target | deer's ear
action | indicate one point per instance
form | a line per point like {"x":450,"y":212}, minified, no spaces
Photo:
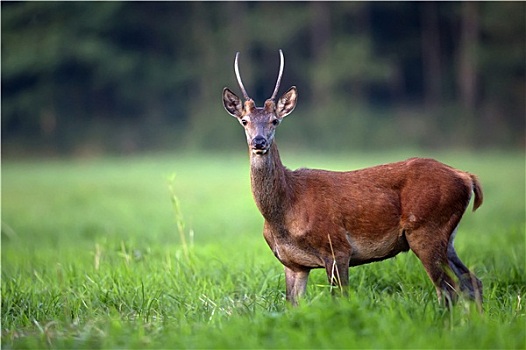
{"x":287,"y":102}
{"x":232,"y":103}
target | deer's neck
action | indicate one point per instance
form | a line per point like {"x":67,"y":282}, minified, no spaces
{"x":269,"y":183}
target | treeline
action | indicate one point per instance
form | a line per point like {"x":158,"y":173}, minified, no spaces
{"x":85,"y":77}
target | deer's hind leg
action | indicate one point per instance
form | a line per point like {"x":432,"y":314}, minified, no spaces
{"x":469,"y":283}
{"x":431,"y":248}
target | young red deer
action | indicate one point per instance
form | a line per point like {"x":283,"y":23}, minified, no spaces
{"x":335,"y":220}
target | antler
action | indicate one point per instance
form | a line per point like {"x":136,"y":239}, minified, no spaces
{"x":281,"y":66}
{"x":238,"y":76}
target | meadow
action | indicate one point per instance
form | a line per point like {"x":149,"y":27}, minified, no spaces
{"x":166,"y":251}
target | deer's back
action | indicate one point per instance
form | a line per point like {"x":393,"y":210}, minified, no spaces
{"x":412,"y":191}
{"x":372,"y":207}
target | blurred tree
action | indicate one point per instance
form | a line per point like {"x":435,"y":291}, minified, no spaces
{"x":320,"y":47}
{"x":127,"y":76}
{"x":41,"y":62}
{"x":467,"y":52}
{"x":431,"y":55}
{"x":502,"y":72}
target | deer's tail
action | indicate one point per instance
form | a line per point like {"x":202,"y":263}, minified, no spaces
{"x":477,"y":189}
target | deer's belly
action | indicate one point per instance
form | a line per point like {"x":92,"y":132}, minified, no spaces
{"x":369,"y":248}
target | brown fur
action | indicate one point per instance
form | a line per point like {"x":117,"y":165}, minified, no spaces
{"x":335,"y":220}
{"x":363,"y":216}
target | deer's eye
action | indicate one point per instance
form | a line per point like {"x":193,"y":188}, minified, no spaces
{"x":275,"y":122}
{"x":244,"y":122}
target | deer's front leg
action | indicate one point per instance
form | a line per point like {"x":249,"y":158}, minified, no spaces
{"x":338,"y":275}
{"x":296,"y":284}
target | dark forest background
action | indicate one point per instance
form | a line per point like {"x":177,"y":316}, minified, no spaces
{"x":90,"y":78}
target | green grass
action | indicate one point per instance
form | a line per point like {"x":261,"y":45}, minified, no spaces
{"x":92,"y":258}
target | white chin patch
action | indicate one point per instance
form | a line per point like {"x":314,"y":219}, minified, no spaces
{"x":259,"y":152}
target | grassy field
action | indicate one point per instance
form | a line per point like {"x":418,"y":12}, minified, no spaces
{"x":93,"y":257}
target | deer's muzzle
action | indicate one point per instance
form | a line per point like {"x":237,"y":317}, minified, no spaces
{"x":259,"y":145}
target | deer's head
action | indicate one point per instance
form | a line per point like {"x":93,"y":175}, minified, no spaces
{"x":259,"y":122}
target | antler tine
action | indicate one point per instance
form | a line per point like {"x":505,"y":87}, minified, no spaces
{"x":281,"y":66}
{"x":238,"y":76}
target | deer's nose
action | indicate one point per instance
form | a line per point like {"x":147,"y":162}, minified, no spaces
{"x":259,"y":142}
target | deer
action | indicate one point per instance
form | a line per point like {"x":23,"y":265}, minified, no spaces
{"x":336,"y":220}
